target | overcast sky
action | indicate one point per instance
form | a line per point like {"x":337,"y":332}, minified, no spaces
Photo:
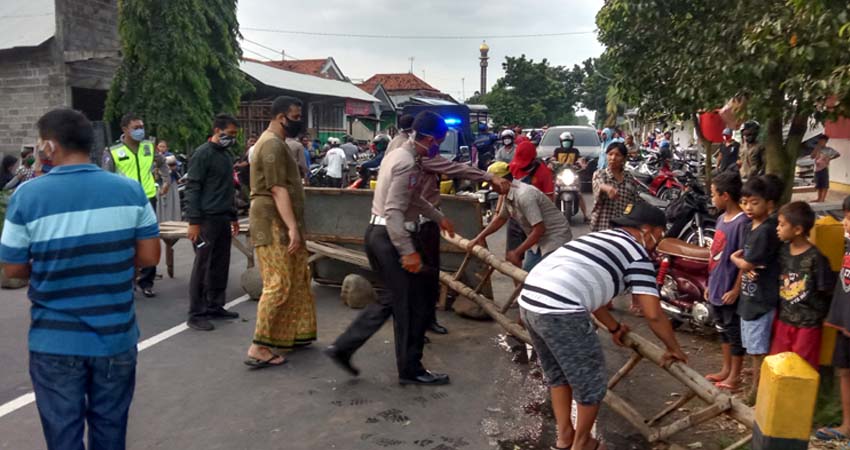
{"x":442,"y":63}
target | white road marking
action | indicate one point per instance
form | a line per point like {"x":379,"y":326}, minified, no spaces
{"x":24,"y":400}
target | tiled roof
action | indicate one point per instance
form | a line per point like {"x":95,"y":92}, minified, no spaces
{"x":305,"y":66}
{"x":396,"y":82}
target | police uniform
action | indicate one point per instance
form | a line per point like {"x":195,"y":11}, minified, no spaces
{"x":398,"y":141}
{"x":429,"y":231}
{"x":136,"y":165}
{"x":396,"y":208}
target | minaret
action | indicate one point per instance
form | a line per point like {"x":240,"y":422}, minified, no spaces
{"x":484,"y":49}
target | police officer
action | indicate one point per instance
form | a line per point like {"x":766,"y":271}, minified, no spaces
{"x":429,"y":231}
{"x":133,"y":157}
{"x":392,"y":251}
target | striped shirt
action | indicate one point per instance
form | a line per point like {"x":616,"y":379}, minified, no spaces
{"x":586,"y":273}
{"x":77,"y":226}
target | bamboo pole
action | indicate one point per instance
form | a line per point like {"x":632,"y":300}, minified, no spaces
{"x":676,"y":405}
{"x":630,"y":364}
{"x":511,"y":300}
{"x":707,"y":413}
{"x":744,"y":441}
{"x":628,"y":412}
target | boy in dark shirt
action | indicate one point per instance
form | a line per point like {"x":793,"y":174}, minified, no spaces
{"x":805,"y":282}
{"x":839,"y":318}
{"x":759,"y":263}
{"x":724,"y":278}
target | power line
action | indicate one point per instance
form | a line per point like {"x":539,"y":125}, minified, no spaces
{"x":423,"y":37}
{"x":280,"y":52}
{"x":255,"y":53}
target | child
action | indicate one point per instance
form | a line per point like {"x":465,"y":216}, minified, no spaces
{"x":759,"y":264}
{"x":804,"y":284}
{"x":839,"y":317}
{"x":724,"y":279}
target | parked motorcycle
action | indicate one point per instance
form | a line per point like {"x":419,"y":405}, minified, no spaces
{"x":682,"y":281}
{"x":663,"y":183}
{"x":688,"y":217}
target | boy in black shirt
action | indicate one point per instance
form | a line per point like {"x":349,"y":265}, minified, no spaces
{"x":805,"y":282}
{"x":759,"y":263}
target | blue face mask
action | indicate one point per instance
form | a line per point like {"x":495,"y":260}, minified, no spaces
{"x":138,"y":134}
{"x":433,"y":150}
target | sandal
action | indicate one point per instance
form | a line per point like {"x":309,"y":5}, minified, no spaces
{"x":727,"y":387}
{"x":256,"y":363}
{"x":715,"y":378}
{"x":829,"y":434}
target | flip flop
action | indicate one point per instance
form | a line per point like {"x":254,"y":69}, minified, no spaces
{"x":727,"y":387}
{"x":256,"y":363}
{"x":829,"y":434}
{"x":714,"y":378}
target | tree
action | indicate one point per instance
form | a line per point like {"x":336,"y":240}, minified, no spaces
{"x":534,"y":94}
{"x":597,"y":93}
{"x":784,"y":58}
{"x":180,"y":66}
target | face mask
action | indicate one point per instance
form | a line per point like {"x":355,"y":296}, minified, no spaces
{"x":44,"y":154}
{"x":138,"y":134}
{"x":433,"y":150}
{"x":507,"y":141}
{"x":643,"y":238}
{"x":30,"y":161}
{"x":225,"y":140}
{"x":292,"y":127}
{"x":567,"y":144}
{"x":750,"y":139}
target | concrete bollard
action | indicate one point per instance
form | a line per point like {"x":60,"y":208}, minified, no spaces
{"x":786,"y":403}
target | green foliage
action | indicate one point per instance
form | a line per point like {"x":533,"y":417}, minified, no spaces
{"x":595,"y":88}
{"x":534,"y":94}
{"x":681,"y":56}
{"x":180,"y":66}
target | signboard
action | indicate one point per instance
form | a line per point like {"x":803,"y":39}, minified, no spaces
{"x":357,"y":108}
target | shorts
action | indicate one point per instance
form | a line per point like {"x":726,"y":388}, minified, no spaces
{"x":802,"y":341}
{"x":728,"y":324}
{"x":841,"y":355}
{"x":755,"y":334}
{"x":822,"y":179}
{"x":570,"y":353}
{"x":516,"y":236}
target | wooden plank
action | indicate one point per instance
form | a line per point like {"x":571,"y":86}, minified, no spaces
{"x":630,"y":364}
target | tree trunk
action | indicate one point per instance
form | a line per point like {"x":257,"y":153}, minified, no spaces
{"x":781,"y":155}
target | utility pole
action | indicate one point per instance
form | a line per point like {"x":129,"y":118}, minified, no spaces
{"x":463,"y":89}
{"x":411,"y":64}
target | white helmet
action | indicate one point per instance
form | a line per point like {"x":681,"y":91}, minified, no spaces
{"x":333,"y":141}
{"x":507,"y":133}
{"x":566,"y":136}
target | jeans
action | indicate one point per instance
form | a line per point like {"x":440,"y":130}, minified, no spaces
{"x":72,"y":391}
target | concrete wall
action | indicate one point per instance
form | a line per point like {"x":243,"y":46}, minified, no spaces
{"x":87,"y":31}
{"x":31,"y":83}
{"x":839,"y":169}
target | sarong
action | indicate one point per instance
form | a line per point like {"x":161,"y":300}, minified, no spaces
{"x":286,"y":313}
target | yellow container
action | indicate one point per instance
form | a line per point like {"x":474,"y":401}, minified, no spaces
{"x":828,"y":237}
{"x":786,"y":403}
{"x":447,"y":187}
{"x":372,"y":184}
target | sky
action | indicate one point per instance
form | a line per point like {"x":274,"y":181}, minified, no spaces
{"x":441,"y":63}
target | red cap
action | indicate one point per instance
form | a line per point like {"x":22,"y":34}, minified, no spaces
{"x":525,"y":153}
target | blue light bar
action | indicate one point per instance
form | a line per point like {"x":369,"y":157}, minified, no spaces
{"x":452,"y":121}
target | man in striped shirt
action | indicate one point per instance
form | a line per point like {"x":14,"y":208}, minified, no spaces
{"x":80,"y":252}
{"x":575,"y":281}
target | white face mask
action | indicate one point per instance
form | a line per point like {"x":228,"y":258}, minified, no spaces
{"x":643,"y":238}
{"x":507,"y":141}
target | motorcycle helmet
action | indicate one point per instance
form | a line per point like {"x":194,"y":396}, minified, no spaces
{"x":566,"y":136}
{"x":381,"y":142}
{"x":332,"y":141}
{"x":507,"y":137}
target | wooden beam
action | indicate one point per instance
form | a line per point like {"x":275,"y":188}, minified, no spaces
{"x":691,"y":420}
{"x":626,"y":410}
{"x":673,"y":407}
{"x":511,"y":300}
{"x":630,"y":364}
{"x":744,"y":441}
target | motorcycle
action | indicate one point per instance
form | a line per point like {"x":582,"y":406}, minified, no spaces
{"x":682,"y":281}
{"x":688,"y":217}
{"x":664,"y":184}
{"x":567,"y":191}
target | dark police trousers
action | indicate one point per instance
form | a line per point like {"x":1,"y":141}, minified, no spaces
{"x":147,"y":274}
{"x":404,"y":300}
{"x":212,"y":267}
{"x":429,"y":237}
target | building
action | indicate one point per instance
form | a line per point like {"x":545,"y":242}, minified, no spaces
{"x":331,"y":106}
{"x":54,"y":53}
{"x":325,"y":68}
{"x":407,"y":89}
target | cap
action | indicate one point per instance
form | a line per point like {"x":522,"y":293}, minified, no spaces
{"x":430,"y":124}
{"x":499,"y":168}
{"x":727,"y":132}
{"x":525,"y":153}
{"x":640,"y":213}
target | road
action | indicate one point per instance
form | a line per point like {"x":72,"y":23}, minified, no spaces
{"x":193,"y":392}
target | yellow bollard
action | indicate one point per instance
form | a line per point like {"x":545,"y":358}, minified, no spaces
{"x":828,"y":237}
{"x":786,"y":403}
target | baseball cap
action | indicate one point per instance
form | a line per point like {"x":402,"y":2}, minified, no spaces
{"x":525,"y":153}
{"x":499,"y":168}
{"x":641,"y":213}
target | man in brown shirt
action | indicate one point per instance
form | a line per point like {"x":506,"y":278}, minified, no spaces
{"x":286,"y":313}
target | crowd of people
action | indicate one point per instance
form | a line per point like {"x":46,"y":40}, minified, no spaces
{"x":768,"y":297}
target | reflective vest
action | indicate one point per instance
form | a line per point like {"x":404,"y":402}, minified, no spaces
{"x":138,"y":167}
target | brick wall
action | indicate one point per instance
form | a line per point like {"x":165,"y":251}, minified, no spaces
{"x":89,"y":26}
{"x":31,"y":83}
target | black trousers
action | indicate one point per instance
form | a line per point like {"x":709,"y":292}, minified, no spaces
{"x":147,"y":274}
{"x":212,"y":267}
{"x":429,"y":238}
{"x":404,"y":300}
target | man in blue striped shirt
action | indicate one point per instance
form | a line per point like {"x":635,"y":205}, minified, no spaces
{"x":80,"y":250}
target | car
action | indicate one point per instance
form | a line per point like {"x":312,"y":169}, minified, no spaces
{"x":586,"y":141}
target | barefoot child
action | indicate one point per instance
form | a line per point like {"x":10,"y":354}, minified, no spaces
{"x":805,"y":285}
{"x":724,"y":278}
{"x":760,"y":266}
{"x":839,"y":318}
